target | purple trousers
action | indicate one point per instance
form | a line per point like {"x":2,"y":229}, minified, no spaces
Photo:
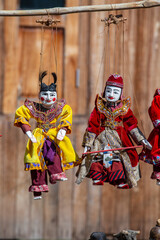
{"x":39,"y":178}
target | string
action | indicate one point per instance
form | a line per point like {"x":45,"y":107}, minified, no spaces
{"x":40,"y":70}
{"x":123,"y":51}
{"x":115,"y":43}
{"x":50,"y":56}
{"x":102,"y":60}
{"x":55,"y":52}
{"x":109,"y":48}
{"x":56,"y":49}
{"x":130,"y":83}
{"x":41,"y":51}
{"x":122,"y":63}
{"x":50,"y":62}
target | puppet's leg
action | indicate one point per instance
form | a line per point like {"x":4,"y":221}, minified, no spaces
{"x":96,"y":173}
{"x":39,"y":183}
{"x":55,"y":170}
{"x":115,"y":175}
{"x":156,"y":173}
{"x":53,"y":162}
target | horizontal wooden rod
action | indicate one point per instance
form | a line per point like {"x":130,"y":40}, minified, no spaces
{"x":79,"y":9}
{"x":113,"y":149}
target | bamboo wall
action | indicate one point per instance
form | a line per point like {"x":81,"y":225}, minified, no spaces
{"x":71,"y":211}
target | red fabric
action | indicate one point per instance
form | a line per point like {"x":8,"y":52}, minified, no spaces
{"x":25,"y":127}
{"x":157,"y":92}
{"x":98,"y":183}
{"x":156,"y":172}
{"x":129,"y":122}
{"x":153,"y":156}
{"x":115,"y":80}
{"x":155,"y":142}
{"x":154,"y":110}
{"x":98,"y":167}
{"x":114,"y":174}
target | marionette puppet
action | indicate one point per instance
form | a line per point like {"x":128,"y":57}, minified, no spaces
{"x":48,"y":151}
{"x":153,"y":156}
{"x":110,"y":126}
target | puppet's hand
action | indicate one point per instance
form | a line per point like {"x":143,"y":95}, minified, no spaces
{"x":87,"y":149}
{"x":30,"y":135}
{"x":61,"y":134}
{"x":146,"y":144}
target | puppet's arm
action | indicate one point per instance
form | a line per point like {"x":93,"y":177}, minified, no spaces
{"x":31,"y":136}
{"x":92,"y":130}
{"x":139,"y":138}
{"x":131,"y":125}
{"x":65,"y":122}
{"x":22,"y":117}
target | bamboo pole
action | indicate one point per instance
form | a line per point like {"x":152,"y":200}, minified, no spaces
{"x":79,"y":9}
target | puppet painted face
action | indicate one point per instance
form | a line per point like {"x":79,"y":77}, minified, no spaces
{"x":48,"y":97}
{"x":112,"y":94}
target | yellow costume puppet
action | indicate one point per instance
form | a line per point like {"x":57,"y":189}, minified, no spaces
{"x":48,"y":150}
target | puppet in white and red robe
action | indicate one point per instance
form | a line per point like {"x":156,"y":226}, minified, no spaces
{"x":110,"y":125}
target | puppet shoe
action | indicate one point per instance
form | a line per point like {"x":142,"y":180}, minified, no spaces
{"x":37,"y":195}
{"x":155,"y":175}
{"x":123,"y":186}
{"x":98,"y":182}
{"x":59,"y":177}
{"x":158,"y":182}
{"x":62,"y":177}
{"x":37,"y":198}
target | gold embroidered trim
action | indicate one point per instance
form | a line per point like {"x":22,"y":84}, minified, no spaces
{"x":46,"y":126}
{"x":117,"y":112}
{"x":112,"y":115}
{"x":111,"y":123}
{"x":36,"y":109}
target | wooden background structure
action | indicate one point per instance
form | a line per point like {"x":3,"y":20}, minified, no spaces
{"x":84,"y":46}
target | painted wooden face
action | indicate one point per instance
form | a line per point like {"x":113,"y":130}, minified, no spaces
{"x":112,"y":94}
{"x":47,"y":97}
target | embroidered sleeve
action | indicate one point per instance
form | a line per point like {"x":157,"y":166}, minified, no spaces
{"x":88,"y":139}
{"x":137,"y":135}
{"x":22,"y":116}
{"x":66,"y":119}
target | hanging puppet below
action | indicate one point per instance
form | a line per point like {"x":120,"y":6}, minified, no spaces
{"x":48,"y":150}
{"x":110,"y":126}
{"x":153,"y":156}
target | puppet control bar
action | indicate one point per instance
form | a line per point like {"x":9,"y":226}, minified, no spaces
{"x":79,"y":9}
{"x":113,"y":149}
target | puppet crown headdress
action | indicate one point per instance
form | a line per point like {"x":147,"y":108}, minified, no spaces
{"x":45,"y":87}
{"x":115,"y":80}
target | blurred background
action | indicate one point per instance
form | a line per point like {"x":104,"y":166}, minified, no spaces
{"x":84,"y":53}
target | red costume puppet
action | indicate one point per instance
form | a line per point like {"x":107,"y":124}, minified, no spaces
{"x":110,"y":126}
{"x":153,"y":156}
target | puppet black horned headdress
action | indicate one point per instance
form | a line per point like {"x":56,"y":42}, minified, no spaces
{"x":45,"y":87}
